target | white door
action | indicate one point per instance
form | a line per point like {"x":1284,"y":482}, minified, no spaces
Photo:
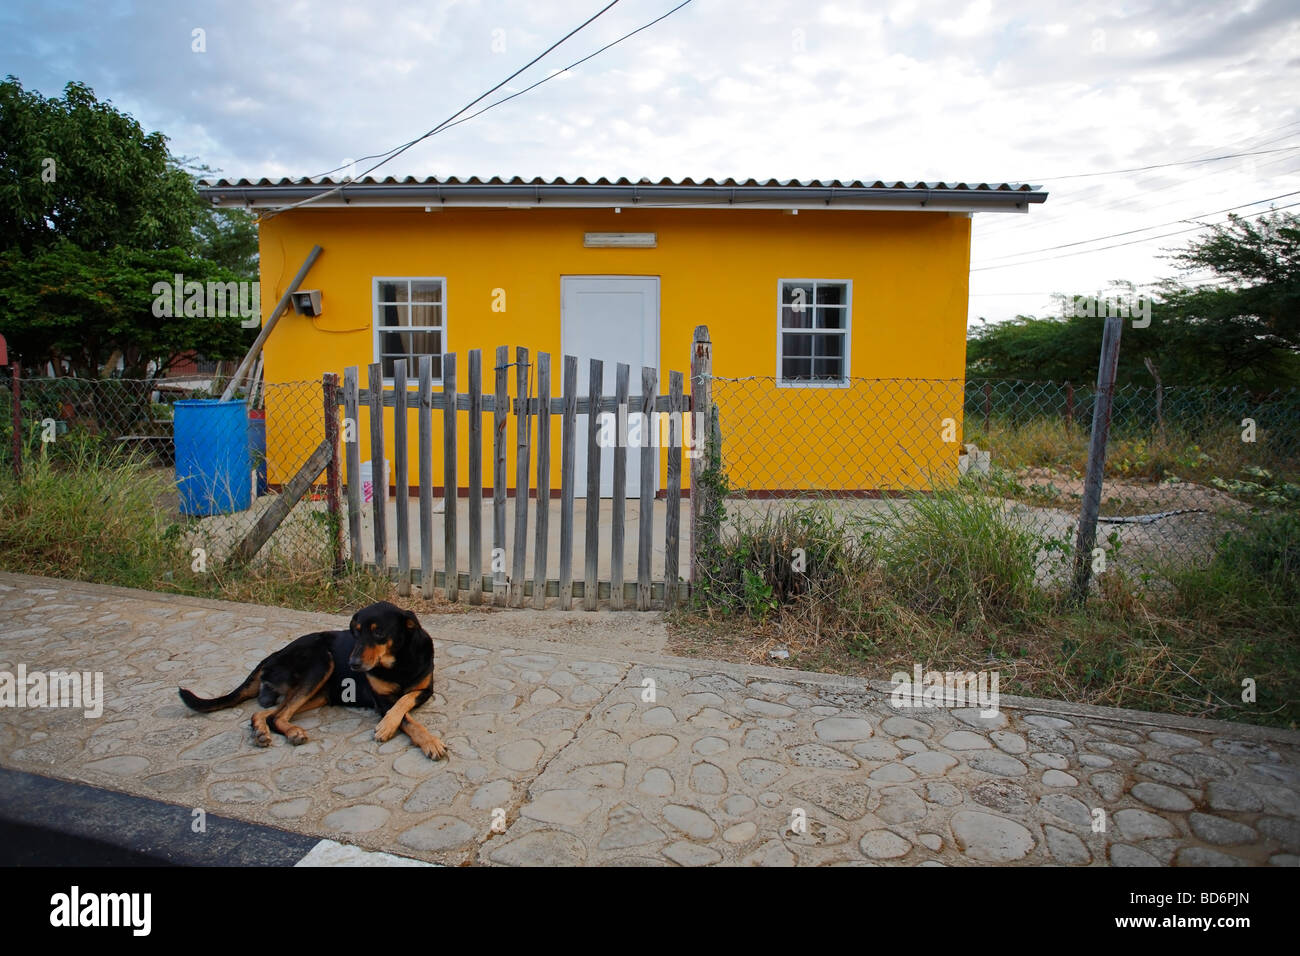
{"x":615,"y":319}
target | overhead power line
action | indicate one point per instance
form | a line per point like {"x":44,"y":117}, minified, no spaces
{"x":1166,"y":235}
{"x":1130,"y":232}
{"x":453,"y":120}
{"x":1143,"y":169}
{"x":397,"y":151}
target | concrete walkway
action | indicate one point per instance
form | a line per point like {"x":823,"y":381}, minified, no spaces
{"x":603,"y":753}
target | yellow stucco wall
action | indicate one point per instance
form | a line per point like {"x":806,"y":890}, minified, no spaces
{"x":718,"y":268}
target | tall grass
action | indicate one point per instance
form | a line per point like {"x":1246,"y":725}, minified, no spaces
{"x":1253,"y":578}
{"x":90,"y":516}
{"x":95,"y":513}
{"x":951,"y":580}
{"x":957,"y":554}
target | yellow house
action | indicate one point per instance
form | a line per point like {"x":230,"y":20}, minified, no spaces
{"x":815,"y":293}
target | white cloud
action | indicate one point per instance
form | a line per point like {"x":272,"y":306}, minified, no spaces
{"x":919,"y":89}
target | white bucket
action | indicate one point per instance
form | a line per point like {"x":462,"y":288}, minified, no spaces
{"x":368,"y":481}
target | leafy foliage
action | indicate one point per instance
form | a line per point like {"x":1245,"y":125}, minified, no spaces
{"x":93,"y":212}
{"x":1243,"y":331}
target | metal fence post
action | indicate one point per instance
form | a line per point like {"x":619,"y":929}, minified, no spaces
{"x":702,"y":409}
{"x":1101,"y":410}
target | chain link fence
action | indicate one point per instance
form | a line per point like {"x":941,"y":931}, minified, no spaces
{"x":214,"y":468}
{"x":1185,"y":466}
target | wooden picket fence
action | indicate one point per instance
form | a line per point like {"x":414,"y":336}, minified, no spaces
{"x":532,"y":430}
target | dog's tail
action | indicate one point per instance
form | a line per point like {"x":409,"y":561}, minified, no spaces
{"x":248,"y":689}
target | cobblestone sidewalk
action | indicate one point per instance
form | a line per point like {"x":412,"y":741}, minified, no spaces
{"x":576,"y":755}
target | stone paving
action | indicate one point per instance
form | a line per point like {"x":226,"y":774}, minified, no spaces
{"x":583,"y":755}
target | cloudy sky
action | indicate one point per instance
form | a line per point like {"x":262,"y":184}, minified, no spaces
{"x":1072,"y":96}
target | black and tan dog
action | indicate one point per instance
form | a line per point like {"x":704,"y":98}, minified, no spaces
{"x":384,"y":660}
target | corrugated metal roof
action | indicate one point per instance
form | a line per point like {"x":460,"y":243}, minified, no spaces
{"x":623,"y":181}
{"x":518,"y":192}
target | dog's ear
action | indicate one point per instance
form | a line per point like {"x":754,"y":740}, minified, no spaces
{"x":412,"y":621}
{"x":354,"y":626}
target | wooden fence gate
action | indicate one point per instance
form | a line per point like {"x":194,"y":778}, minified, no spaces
{"x":532,"y":406}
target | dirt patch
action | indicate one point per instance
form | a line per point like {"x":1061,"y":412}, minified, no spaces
{"x":1128,"y":496}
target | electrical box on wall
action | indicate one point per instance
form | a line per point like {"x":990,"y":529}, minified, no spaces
{"x":307,"y":302}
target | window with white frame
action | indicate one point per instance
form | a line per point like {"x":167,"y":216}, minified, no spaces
{"x":410,"y":319}
{"x":813,"y":338}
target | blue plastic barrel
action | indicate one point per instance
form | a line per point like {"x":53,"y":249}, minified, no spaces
{"x":212,"y":457}
{"x":257,"y":446}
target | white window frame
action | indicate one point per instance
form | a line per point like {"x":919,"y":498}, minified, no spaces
{"x":780,"y":330}
{"x":376,"y":327}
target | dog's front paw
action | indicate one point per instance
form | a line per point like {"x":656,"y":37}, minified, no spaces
{"x":384,"y":732}
{"x":434,"y":748}
{"x":296,"y":736}
{"x":261,"y":736}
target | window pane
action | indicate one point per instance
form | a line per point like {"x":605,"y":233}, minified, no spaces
{"x":829,"y":346}
{"x":797,"y":345}
{"x":795,"y":369}
{"x":426,"y":315}
{"x":394,"y":343}
{"x":831,"y":318}
{"x":832,"y":294}
{"x":391,"y":315}
{"x":425,"y":343}
{"x":426,"y":291}
{"x":392,"y":291}
{"x":793,"y":317}
{"x":828,"y":369}
{"x":795,"y":292}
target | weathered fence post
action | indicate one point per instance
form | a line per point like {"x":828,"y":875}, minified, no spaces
{"x":543,"y":526}
{"x":500,"y":408}
{"x":988,"y":408}
{"x":701,"y":435}
{"x":568,"y":443}
{"x":378,"y":480}
{"x":424,"y":425}
{"x":450,"y":482}
{"x":1160,"y":398}
{"x":1069,"y":404}
{"x":673,"y":500}
{"x":523,"y":434}
{"x":1101,"y":410}
{"x":618,"y":507}
{"x":649,"y":466}
{"x":333,"y":474}
{"x":16,"y":401}
{"x":591,"y":555}
{"x":352,"y":451}
{"x":401,"y":479}
{"x":475,"y":476}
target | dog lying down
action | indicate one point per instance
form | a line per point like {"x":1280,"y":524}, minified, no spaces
{"x":384,"y":660}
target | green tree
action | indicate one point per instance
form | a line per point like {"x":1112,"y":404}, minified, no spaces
{"x":93,"y":212}
{"x":1245,"y":329}
{"x":1242,"y":330}
{"x":80,"y":306}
